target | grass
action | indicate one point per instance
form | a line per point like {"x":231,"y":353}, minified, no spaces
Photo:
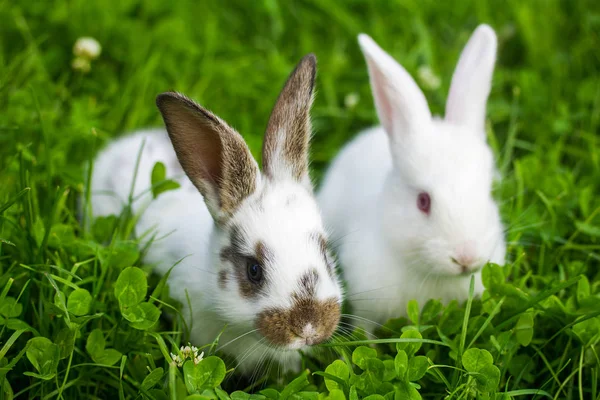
{"x":62,"y":332}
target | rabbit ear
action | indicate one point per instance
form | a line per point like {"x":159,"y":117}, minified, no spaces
{"x":401,"y":105}
{"x":213,"y":155}
{"x":285,"y":149}
{"x":472,"y":80}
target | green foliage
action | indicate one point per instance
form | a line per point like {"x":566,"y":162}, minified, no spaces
{"x":95,"y":346}
{"x":131,"y":287}
{"x":480,"y":364}
{"x":130,"y":291}
{"x":10,"y":307}
{"x":159,"y":180}
{"x":152,"y":379}
{"x":43,"y":354}
{"x":207,"y":374}
{"x":77,"y":319}
{"x":336,"y":375}
{"x":79,"y":302}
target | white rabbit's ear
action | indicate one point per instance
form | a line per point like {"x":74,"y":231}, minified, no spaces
{"x":213,"y":155}
{"x":401,"y":105}
{"x":285,"y":148}
{"x":472,"y":80}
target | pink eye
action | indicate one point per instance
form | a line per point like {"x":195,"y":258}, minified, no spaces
{"x":424,"y":202}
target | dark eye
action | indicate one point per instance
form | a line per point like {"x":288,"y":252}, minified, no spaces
{"x":254,"y":270}
{"x":424,"y":202}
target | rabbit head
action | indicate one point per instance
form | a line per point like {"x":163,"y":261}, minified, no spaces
{"x":438,"y":211}
{"x":273,"y":273}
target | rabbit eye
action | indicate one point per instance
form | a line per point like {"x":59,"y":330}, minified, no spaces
{"x":254,"y":270}
{"x":424,"y":202}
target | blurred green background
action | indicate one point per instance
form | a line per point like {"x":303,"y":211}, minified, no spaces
{"x":233,"y":58}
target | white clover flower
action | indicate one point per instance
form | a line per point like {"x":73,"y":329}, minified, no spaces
{"x":186,"y":351}
{"x":87,"y":47}
{"x":81,"y":64}
{"x":198,"y":358}
{"x":351,"y":100}
{"x":428,"y":78}
{"x":177,"y":361}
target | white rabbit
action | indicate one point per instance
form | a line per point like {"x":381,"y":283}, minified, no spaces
{"x":257,"y":260}
{"x":114,"y":167}
{"x":411,"y":201}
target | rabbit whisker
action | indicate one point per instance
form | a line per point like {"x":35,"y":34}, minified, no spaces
{"x":238,"y":337}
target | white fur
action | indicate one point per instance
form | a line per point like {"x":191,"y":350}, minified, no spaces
{"x":391,"y":251}
{"x":281,"y":213}
{"x":114,"y":169}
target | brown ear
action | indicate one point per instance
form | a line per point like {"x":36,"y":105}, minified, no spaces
{"x":213,"y":155}
{"x":285,"y":149}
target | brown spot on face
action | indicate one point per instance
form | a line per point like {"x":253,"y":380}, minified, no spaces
{"x":263,"y":254}
{"x":289,"y":129}
{"x":281,"y":327}
{"x":236,"y":238}
{"x":227,"y":254}
{"x":223,"y":279}
{"x":236,"y":254}
{"x":322,"y":242}
{"x":248,"y":290}
{"x":308,"y":283}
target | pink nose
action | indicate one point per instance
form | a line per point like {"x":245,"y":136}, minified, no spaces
{"x":465,"y":255}
{"x":465,"y":260}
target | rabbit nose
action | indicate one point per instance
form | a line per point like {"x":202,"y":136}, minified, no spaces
{"x":466,"y":260}
{"x":310,"y":335}
{"x":465,"y":256}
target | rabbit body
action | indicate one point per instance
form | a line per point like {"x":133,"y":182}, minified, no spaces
{"x":409,"y":203}
{"x":248,"y":248}
{"x":114,"y":169}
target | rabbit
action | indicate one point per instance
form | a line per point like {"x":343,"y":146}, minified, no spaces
{"x":254,"y":257}
{"x":111,"y":186}
{"x":410,"y":201}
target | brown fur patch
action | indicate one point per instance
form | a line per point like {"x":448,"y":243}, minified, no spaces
{"x":308,"y":283}
{"x":212,"y":154}
{"x":322,"y":242}
{"x":248,"y":289}
{"x":289,"y":128}
{"x":227,"y":254}
{"x":235,"y":254}
{"x":283,"y":326}
{"x":236,"y":238}
{"x":223,"y":279}
{"x":264,"y":255}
